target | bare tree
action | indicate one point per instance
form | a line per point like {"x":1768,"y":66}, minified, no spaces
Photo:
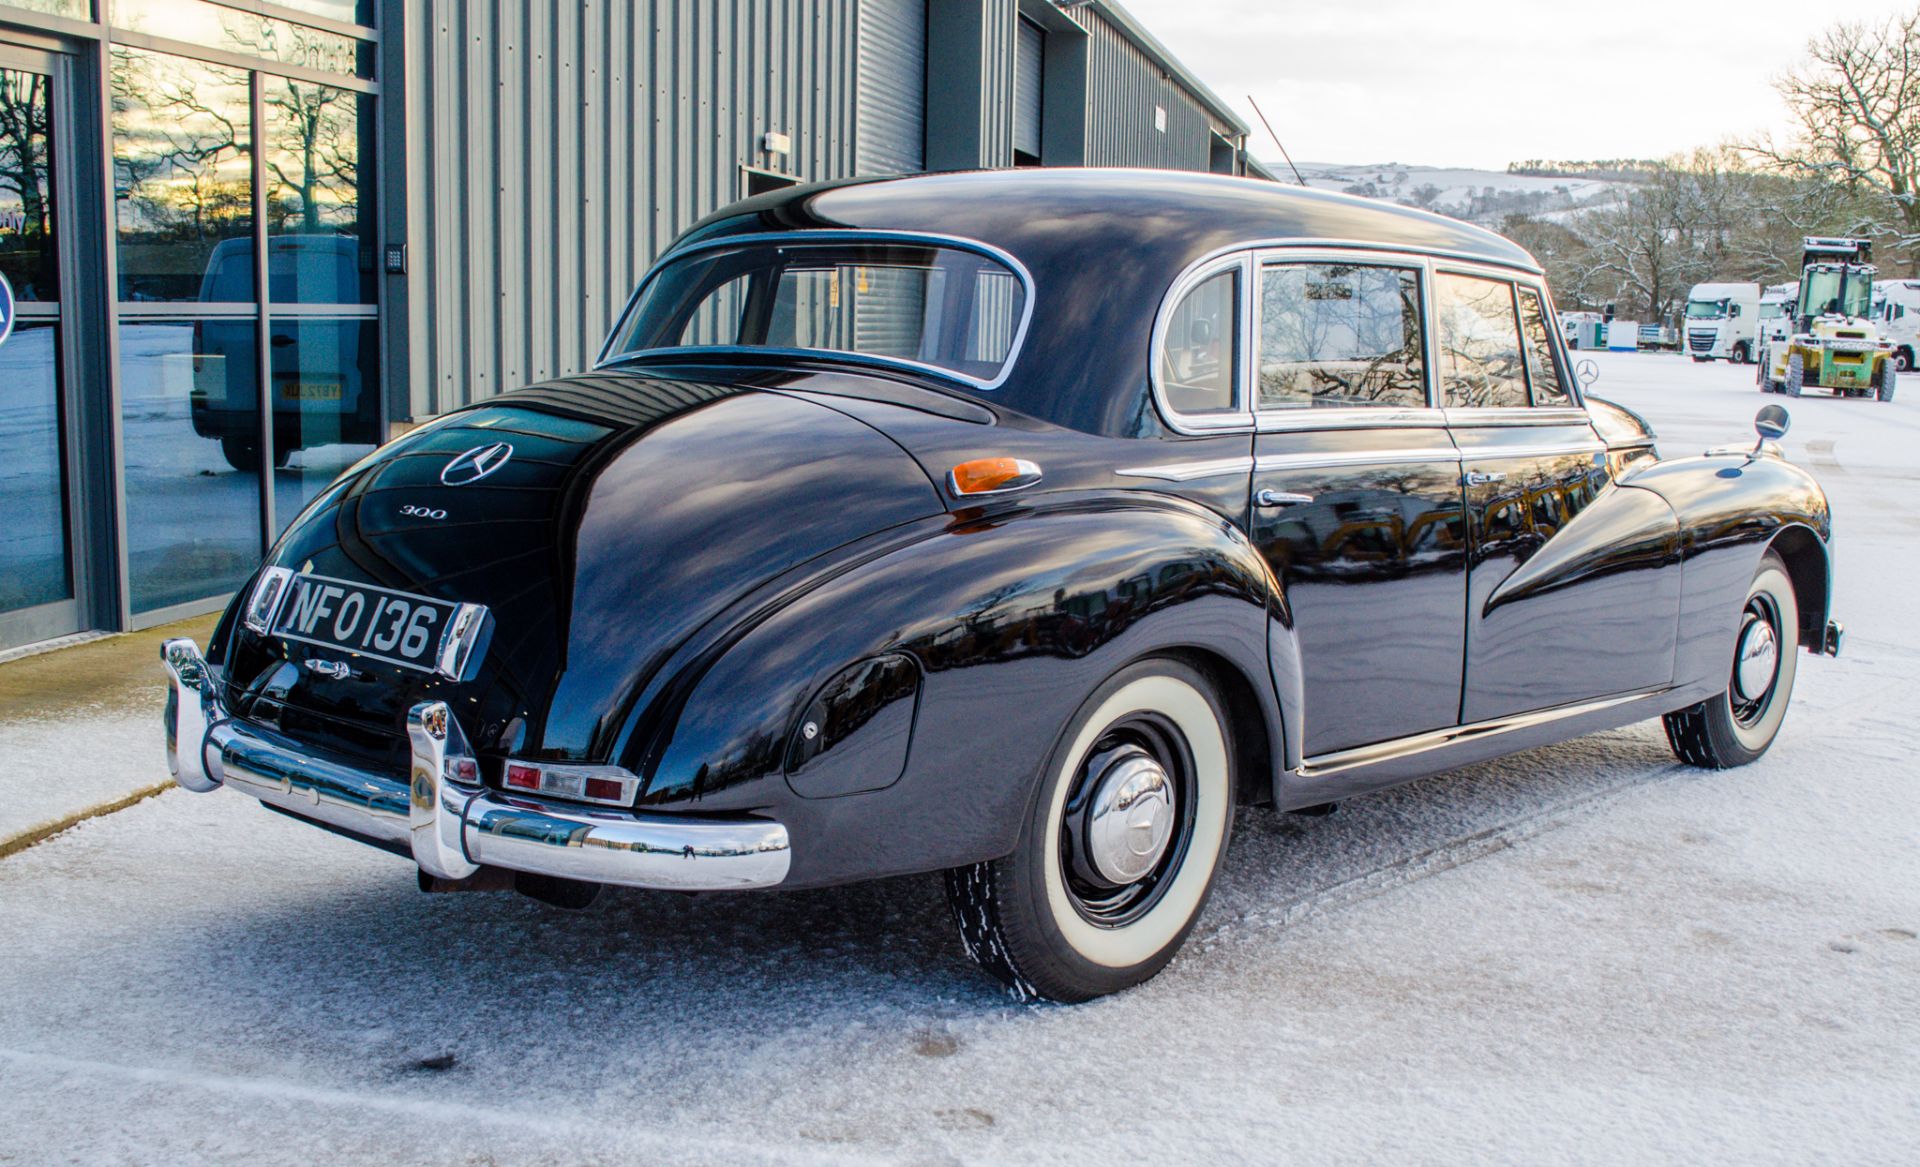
{"x":1855,"y":105}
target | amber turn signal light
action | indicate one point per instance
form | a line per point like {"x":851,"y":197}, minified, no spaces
{"x":991,"y":476}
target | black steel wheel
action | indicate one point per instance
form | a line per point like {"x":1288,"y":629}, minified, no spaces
{"x":1739,"y":725}
{"x":1120,"y":847}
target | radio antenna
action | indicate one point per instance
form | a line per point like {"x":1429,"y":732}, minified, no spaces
{"x":1276,"y":139}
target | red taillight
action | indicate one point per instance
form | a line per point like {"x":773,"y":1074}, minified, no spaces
{"x":604,"y":789}
{"x":523,"y":777}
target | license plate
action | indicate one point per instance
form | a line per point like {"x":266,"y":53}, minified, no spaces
{"x":397,"y":627}
{"x":311,"y":391}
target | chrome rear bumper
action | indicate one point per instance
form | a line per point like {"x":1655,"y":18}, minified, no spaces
{"x":451,"y":827}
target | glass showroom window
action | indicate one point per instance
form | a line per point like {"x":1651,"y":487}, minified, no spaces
{"x":242,"y":397}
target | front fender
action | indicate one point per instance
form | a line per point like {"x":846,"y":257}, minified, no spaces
{"x":1731,"y":510}
{"x":1009,"y":621}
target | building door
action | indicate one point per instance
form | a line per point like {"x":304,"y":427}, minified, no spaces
{"x":40,"y":578}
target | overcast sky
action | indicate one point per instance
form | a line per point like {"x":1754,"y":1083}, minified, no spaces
{"x":1486,"y":82}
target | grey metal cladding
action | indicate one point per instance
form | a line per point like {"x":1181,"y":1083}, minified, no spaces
{"x":893,"y":86}
{"x":555,"y":149}
{"x":1124,"y":85}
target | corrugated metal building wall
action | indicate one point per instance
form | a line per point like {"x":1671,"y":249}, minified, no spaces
{"x":556,"y":148}
{"x":1124,"y":85}
{"x":893,"y":86}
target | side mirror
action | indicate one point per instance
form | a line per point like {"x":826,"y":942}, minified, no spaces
{"x":1771,"y":423}
{"x":1587,"y":370}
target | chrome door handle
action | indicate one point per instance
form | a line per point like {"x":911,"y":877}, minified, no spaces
{"x":1280,"y":498}
{"x":1483,"y":477}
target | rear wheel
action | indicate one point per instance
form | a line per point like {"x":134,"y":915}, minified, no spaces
{"x":1119,"y":850}
{"x":1796,"y":376}
{"x":245,"y":456}
{"x":1738,"y":726}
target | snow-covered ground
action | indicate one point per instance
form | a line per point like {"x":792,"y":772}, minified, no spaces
{"x":1582,"y":954}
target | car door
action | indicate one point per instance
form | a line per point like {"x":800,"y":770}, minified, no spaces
{"x":1357,"y":501}
{"x":1560,"y":606}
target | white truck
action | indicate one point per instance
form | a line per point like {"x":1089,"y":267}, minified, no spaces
{"x":1897,"y":304}
{"x":1776,"y":315}
{"x":1721,"y":320}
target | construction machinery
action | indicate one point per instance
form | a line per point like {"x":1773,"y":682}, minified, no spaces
{"x":1834,"y":342}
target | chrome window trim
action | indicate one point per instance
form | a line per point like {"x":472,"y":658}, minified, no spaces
{"x":1281,"y":421}
{"x":1556,"y":339}
{"x":829,"y":237}
{"x":1496,"y":415}
{"x":1194,"y":276}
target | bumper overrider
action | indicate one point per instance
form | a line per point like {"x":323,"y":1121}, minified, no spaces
{"x":452,"y":828}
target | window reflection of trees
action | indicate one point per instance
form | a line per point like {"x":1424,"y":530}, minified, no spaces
{"x":1337,"y":335}
{"x":1479,"y":342}
{"x":182,"y":179}
{"x":26,"y":191}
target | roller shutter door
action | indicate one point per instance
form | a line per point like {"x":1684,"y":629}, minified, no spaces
{"x":1027,"y":79}
{"x":893,"y":87}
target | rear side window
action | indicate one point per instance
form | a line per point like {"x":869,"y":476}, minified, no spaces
{"x":1542,"y":371}
{"x":1336,"y":335}
{"x":931,"y":305}
{"x":1199,"y":355}
{"x":1480,"y":358}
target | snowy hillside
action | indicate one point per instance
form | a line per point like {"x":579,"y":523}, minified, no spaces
{"x":1483,"y":196}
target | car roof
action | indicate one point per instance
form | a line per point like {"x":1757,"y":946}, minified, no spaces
{"x":1009,"y":207}
{"x":1102,"y":247}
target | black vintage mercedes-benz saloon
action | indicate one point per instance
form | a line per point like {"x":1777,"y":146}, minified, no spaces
{"x":1016,"y":526}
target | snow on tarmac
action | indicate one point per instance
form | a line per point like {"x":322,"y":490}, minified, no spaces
{"x":1582,"y":954}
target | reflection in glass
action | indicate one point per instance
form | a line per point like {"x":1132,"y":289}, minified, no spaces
{"x":27,"y":255}
{"x":319,"y":208}
{"x":1480,"y":361}
{"x":1198,"y":358}
{"x":349,"y":11}
{"x":1340,"y":335}
{"x":326,"y":404}
{"x":33,"y":493}
{"x":189,"y":423}
{"x":1541,"y":369}
{"x":75,"y":9}
{"x":183,"y":184}
{"x":243,"y":32}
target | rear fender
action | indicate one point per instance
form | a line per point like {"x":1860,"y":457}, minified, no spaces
{"x":1008,"y":620}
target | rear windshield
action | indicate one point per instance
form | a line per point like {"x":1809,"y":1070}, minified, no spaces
{"x":941,"y":306}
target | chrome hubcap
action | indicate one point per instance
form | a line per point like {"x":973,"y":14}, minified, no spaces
{"x":1757,"y":659}
{"x":1129,"y":820}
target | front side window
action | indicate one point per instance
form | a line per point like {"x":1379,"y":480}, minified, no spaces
{"x":1199,"y":354}
{"x":1542,"y":370}
{"x":1336,"y":335}
{"x":1480,"y":358}
{"x":931,"y":305}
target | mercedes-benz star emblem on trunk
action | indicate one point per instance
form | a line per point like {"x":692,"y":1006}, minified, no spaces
{"x":476,"y":464}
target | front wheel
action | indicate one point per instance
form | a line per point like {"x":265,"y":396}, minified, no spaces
{"x":1739,"y":355}
{"x":1739,"y":725}
{"x":1119,"y":849}
{"x":1888,"y":378}
{"x":1903,"y":360}
{"x":1796,"y":376}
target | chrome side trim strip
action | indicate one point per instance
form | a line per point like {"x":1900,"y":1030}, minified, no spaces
{"x":1505,"y":418}
{"x":1493,"y":453}
{"x":1407,"y":747}
{"x":1317,"y":459}
{"x":1188,"y":471}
